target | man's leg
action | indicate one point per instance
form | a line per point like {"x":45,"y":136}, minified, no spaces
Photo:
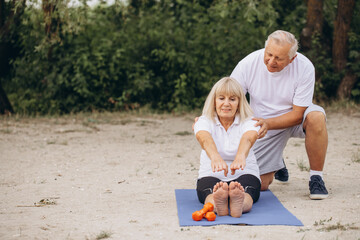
{"x":269,"y":155}
{"x":282,"y":174}
{"x":316,"y":139}
{"x":316,"y":142}
{"x":266,"y":180}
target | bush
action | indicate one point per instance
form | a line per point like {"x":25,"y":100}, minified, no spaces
{"x":163,"y":54}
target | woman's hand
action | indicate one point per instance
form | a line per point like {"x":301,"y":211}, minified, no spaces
{"x":237,"y":164}
{"x":218,"y":164}
{"x":264,"y":126}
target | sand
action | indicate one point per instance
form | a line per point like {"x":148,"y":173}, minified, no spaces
{"x":114,"y":175}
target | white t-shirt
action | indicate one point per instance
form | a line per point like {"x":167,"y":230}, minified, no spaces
{"x":273,"y":94}
{"x":227,"y":144}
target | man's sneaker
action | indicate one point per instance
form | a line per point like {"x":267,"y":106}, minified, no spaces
{"x":317,"y":188}
{"x":282,"y":175}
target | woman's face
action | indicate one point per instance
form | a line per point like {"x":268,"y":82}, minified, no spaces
{"x":226,"y":105}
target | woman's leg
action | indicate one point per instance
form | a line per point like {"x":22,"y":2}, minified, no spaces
{"x":239,"y":200}
{"x":211,"y":189}
{"x":220,"y":198}
{"x":205,"y":187}
{"x":243,"y":192}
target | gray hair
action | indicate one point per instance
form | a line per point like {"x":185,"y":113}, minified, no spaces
{"x":227,"y":86}
{"x":282,"y":37}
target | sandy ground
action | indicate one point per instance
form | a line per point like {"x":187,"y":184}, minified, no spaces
{"x":114,"y":175}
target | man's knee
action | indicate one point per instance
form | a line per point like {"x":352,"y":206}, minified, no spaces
{"x":265,"y":186}
{"x":316,"y":121}
{"x":266,"y":180}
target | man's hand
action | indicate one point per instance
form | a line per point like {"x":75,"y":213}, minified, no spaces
{"x":264,"y":126}
{"x":196,"y":119}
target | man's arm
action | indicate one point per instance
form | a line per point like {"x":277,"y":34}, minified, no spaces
{"x":286,"y":120}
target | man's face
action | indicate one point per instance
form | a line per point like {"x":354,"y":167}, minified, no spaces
{"x":276,"y":56}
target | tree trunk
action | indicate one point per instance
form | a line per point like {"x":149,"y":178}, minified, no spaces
{"x":341,"y":29}
{"x":5,"y":106}
{"x":48,"y":7}
{"x":9,"y":21}
{"x":314,"y":23}
{"x":52,"y":23}
{"x":344,"y":15}
{"x":346,"y":85}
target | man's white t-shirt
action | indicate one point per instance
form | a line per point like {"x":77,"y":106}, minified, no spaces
{"x":227,"y":144}
{"x":274,"y":94}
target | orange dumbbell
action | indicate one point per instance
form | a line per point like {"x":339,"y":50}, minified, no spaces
{"x":198,"y":215}
{"x":210,"y":216}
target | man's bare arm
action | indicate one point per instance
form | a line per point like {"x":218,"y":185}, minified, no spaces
{"x":286,"y":120}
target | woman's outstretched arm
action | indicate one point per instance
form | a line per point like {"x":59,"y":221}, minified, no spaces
{"x":246,"y":142}
{"x":207,"y":143}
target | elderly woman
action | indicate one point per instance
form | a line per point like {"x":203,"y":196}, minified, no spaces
{"x":229,"y":174}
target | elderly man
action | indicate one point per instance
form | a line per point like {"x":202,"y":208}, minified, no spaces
{"x":280,"y":82}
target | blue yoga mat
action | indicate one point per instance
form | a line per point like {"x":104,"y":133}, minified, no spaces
{"x":266,"y":211}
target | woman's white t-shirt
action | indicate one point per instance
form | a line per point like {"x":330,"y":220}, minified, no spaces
{"x":227,"y":144}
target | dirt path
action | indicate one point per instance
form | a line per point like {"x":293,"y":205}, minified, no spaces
{"x":90,"y":177}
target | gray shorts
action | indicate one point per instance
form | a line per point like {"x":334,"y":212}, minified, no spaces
{"x":269,"y":150}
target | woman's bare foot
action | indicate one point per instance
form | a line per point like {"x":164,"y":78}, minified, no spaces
{"x":221,"y":195}
{"x":237,"y":196}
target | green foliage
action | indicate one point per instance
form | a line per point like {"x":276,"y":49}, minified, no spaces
{"x":164,"y":54}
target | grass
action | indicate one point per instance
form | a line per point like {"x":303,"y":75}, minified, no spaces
{"x":322,"y":222}
{"x":45,"y":202}
{"x":346,"y":107}
{"x":53,"y":141}
{"x":94,"y":118}
{"x":147,"y":140}
{"x":183,"y":133}
{"x":356,"y":156}
{"x":331,"y":227}
{"x":338,"y":226}
{"x":302,"y":165}
{"x":303,"y":230}
{"x":122,"y":117}
{"x":50,"y":142}
{"x":6,"y":131}
{"x":91,"y":125}
{"x":125,"y":121}
{"x":103,"y":235}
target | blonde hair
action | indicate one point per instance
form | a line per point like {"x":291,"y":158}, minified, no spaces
{"x":227,"y":86}
{"x":282,"y":37}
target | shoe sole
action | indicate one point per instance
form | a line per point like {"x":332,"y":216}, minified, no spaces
{"x":281,"y":181}
{"x":318,"y":196}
